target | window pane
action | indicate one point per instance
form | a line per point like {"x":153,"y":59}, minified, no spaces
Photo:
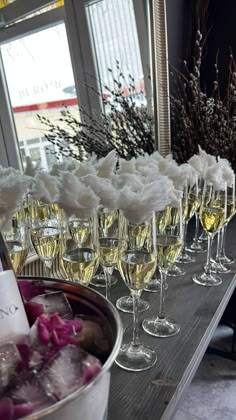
{"x":40,"y":81}
{"x":115,"y":38}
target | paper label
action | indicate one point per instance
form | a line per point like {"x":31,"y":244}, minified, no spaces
{"x":14,"y":324}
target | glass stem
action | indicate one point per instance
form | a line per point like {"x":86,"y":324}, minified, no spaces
{"x":209,"y":247}
{"x":185,"y":225}
{"x":195,"y":239}
{"x":223,"y":237}
{"x":135,"y":341}
{"x":108,"y":273}
{"x":219,"y":245}
{"x":162,"y":294}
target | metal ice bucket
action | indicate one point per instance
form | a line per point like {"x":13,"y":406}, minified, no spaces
{"x":89,"y":402}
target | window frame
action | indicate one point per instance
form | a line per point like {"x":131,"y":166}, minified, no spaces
{"x":73,"y":14}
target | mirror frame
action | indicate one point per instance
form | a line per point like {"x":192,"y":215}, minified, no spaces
{"x":160,"y":75}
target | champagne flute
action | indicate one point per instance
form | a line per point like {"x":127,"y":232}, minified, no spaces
{"x":230,"y":213}
{"x":138,"y":238}
{"x":174,"y":270}
{"x":79,"y":230}
{"x":108,"y":259}
{"x":136,"y":266}
{"x":46,"y":230}
{"x":17,"y":240}
{"x":107,"y":224}
{"x":168,"y":248}
{"x":213,"y":213}
{"x":81,"y":262}
{"x":217,"y":265}
{"x":196,"y":244}
{"x":191,"y":201}
{"x":163,"y":218}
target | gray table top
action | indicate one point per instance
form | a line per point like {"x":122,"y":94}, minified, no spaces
{"x":155,"y":393}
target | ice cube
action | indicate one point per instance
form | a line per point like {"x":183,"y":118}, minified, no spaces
{"x":91,"y":367}
{"x":30,"y":391}
{"x":9,"y":360}
{"x":55,"y":302}
{"x":70,"y":369}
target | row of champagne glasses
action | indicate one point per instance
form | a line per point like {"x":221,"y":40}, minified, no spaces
{"x":136,"y":249}
{"x":46,"y":224}
{"x":132,"y":247}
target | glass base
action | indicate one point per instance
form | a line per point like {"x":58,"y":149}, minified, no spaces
{"x":154,"y":286}
{"x":136,"y":358}
{"x":218,"y":267}
{"x":227,"y":259}
{"x":186,"y":259}
{"x":176,"y":271}
{"x":160,"y":327}
{"x":125,"y":304}
{"x":207,"y":280}
{"x":197,"y":247}
{"x":100,"y":281}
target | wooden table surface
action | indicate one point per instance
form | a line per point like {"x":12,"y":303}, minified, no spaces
{"x":155,"y":393}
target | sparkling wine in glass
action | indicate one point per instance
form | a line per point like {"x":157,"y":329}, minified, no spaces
{"x":108,"y":248}
{"x":46,"y":233}
{"x":168,"y":246}
{"x":81,"y":262}
{"x":139,"y":234}
{"x":107,"y":227}
{"x":196,"y":244}
{"x":136,"y":266}
{"x":213,"y":213}
{"x":221,"y":259}
{"x":79,"y":230}
{"x":173,"y":224}
{"x":190,"y":202}
{"x":163,"y":219}
{"x":17,"y":240}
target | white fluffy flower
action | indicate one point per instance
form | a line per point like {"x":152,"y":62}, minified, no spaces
{"x":128,"y":179}
{"x":106,"y":166}
{"x":45,"y":187}
{"x":214,"y":176}
{"x":103,"y":188}
{"x":138,"y":205}
{"x":201,"y":162}
{"x":126,"y":166}
{"x":75,"y":197}
{"x":13,"y":187}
